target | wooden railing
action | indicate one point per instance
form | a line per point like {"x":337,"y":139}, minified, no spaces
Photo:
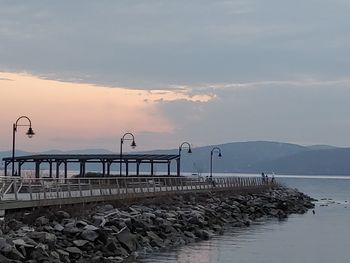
{"x":29,"y":189}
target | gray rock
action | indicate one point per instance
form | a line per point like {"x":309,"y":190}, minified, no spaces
{"x":81,"y":223}
{"x":44,"y":237}
{"x":55,"y":256}
{"x":14,"y":224}
{"x":98,"y":220}
{"x":156,"y":241}
{"x":40,"y":254}
{"x":62,"y":214}
{"x":89,"y":235}
{"x":150,"y":215}
{"x":62,"y":253}
{"x":41,"y":221}
{"x":4,"y":259}
{"x":127,"y":239}
{"x":14,"y":254}
{"x":76,"y":252}
{"x":112,"y":248}
{"x":189,"y":234}
{"x":58,"y":227}
{"x":70,"y":228}
{"x":104,"y":208}
{"x":203,"y":234}
{"x":5,"y":247}
{"x":90,"y":227}
{"x":80,"y":242}
{"x":21,"y":242}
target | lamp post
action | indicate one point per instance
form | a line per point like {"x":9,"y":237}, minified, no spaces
{"x":29,"y":133}
{"x":180,"y":149}
{"x":133,"y":145}
{"x":211,"y":159}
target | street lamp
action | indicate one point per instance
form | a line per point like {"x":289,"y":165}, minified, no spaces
{"x":211,"y":159}
{"x":180,"y":149}
{"x":133,"y":145}
{"x":29,"y":133}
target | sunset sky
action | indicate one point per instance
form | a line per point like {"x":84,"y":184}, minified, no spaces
{"x":207,"y":72}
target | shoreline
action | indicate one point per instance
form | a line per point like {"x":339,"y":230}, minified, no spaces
{"x":118,"y":232}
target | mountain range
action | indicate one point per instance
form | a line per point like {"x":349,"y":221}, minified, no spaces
{"x":251,"y":157}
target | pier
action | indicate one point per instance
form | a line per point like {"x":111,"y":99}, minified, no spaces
{"x":17,"y":192}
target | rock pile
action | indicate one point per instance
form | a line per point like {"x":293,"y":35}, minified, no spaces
{"x":111,"y":234}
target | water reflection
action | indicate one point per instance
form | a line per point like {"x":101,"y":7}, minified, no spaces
{"x":319,"y":238}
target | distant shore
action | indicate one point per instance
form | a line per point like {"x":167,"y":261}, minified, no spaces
{"x":113,"y":233}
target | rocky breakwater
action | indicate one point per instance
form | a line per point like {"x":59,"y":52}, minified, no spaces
{"x":107,"y":233}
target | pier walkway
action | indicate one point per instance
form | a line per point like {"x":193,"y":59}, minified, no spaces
{"x":17,"y":192}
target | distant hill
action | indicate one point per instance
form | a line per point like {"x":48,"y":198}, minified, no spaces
{"x":238,"y":157}
{"x":320,"y":162}
{"x":249,"y":157}
{"x":321,"y":147}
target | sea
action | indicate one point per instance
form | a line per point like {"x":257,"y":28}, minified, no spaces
{"x":323,"y":237}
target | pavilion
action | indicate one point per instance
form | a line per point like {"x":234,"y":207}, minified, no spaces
{"x":106,"y":160}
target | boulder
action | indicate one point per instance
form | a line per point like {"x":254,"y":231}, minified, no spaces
{"x":127,"y":239}
{"x":156,"y":241}
{"x":43,"y":237}
{"x":21,"y":242}
{"x":89,"y":235}
{"x":5,"y":246}
{"x":104,"y":208}
{"x":80,"y":242}
{"x":112,"y":248}
{"x":58,"y":227}
{"x":14,"y":224}
{"x":90,"y":227}
{"x":74,"y":252}
{"x":62,"y":214}
{"x":41,"y":221}
{"x":70,"y":228}
{"x":203,"y":234}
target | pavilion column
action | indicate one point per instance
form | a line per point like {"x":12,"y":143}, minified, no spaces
{"x":82,"y":168}
{"x":58,"y":163}
{"x":137,"y":168}
{"x":6,"y":164}
{"x":169,"y":164}
{"x":50,"y":168}
{"x":127,"y":168}
{"x":152,"y":168}
{"x":103,"y":168}
{"x":178,"y":166}
{"x":65,"y":169}
{"x":109,"y":168}
{"x":37,"y":169}
{"x":20,"y":168}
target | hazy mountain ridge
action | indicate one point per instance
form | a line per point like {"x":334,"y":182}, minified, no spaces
{"x":250,"y":157}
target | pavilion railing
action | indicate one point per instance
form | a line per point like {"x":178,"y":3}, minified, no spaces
{"x":29,"y":189}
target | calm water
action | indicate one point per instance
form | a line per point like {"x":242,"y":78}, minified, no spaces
{"x":320,"y":238}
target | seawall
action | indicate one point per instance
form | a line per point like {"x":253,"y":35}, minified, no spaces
{"x":115,"y":232}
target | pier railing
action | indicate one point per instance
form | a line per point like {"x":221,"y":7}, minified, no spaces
{"x":46,"y":191}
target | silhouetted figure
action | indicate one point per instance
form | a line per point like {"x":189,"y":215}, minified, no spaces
{"x":313,"y":211}
{"x":263,"y":177}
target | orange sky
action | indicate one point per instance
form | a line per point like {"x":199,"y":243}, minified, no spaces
{"x":70,"y":115}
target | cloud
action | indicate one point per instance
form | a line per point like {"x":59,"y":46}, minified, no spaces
{"x":67,"y":114}
{"x":301,"y":111}
{"x":157,"y":44}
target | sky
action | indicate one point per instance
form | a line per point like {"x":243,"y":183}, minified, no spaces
{"x":206,"y":72}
